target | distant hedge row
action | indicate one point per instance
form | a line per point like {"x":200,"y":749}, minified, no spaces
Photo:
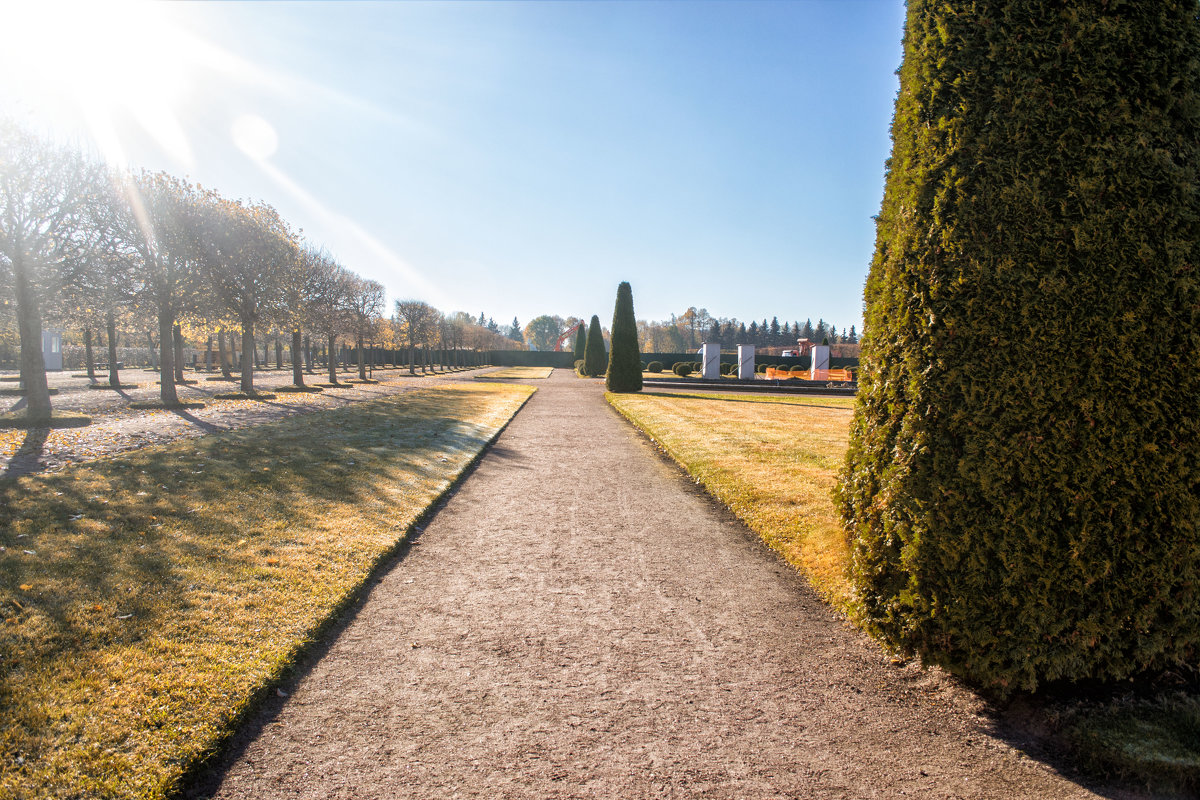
{"x":669,"y":360}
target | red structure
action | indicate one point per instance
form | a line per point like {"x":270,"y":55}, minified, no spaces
{"x":566,"y":336}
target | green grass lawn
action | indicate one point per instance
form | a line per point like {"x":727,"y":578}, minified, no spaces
{"x":520,"y":373}
{"x":773,"y":460}
{"x":148,"y":600}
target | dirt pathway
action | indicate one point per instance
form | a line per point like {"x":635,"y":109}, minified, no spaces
{"x":579,"y":622}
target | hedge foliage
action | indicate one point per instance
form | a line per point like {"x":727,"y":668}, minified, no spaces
{"x":624,"y":359}
{"x":654,"y":366}
{"x":1024,"y":509}
{"x":595,"y":358}
{"x":580,"y":342}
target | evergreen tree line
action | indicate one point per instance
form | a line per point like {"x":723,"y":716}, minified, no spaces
{"x":687,"y":331}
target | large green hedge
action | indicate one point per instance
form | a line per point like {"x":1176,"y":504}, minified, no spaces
{"x":624,"y":361}
{"x":580,"y":342}
{"x":595,"y":357}
{"x":1024,"y":509}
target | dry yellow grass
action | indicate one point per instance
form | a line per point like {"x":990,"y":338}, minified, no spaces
{"x":147,"y":600}
{"x":772,"y":460}
{"x":520,"y":373}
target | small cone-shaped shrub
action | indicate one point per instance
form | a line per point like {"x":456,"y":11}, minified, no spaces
{"x":580,"y":342}
{"x":595,"y":359}
{"x":624,"y":359}
{"x":1022,"y":488}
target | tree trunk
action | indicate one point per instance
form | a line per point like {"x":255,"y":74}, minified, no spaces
{"x":166,"y":371}
{"x":329,"y":361}
{"x":266,"y":359}
{"x":297,"y":364}
{"x":412,"y":359}
{"x":308,"y":355}
{"x":114,"y":378}
{"x":153,"y":352}
{"x":88,"y":356}
{"x":177,"y":340}
{"x":222,"y":355}
{"x":362,"y":359}
{"x":279,"y":354}
{"x":208,"y":355}
{"x":33,"y":362}
{"x":248,"y":363}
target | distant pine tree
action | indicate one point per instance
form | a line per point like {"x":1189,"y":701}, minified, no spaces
{"x":581,"y":342}
{"x":595,"y":358}
{"x":624,"y":360}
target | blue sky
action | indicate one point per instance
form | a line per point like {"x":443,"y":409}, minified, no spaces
{"x":512,"y":158}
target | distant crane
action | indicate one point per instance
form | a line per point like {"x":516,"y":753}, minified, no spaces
{"x":566,"y":336}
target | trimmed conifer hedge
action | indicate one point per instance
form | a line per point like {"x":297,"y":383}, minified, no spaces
{"x":595,"y":358}
{"x":1023,"y":498}
{"x":580,"y":342}
{"x":624,"y":360}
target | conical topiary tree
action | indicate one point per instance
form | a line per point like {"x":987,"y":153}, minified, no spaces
{"x":1022,"y":487}
{"x":595,"y":358}
{"x":624,"y":358}
{"x":581,"y":341}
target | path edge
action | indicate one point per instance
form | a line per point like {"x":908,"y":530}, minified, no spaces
{"x":192,"y":778}
{"x":667,"y":454}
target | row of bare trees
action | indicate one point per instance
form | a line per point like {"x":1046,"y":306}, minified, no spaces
{"x":82,"y":241}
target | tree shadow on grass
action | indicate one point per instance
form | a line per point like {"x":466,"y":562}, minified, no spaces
{"x":203,"y":425}
{"x":123,"y":551}
{"x":28,"y":457}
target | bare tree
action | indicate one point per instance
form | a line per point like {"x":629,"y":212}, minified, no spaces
{"x":45,"y":191}
{"x":329,"y":305}
{"x":366,"y":308}
{"x":300,"y":283}
{"x":413,"y":319}
{"x":156,"y":225}
{"x":247,"y":251}
{"x":104,"y":287}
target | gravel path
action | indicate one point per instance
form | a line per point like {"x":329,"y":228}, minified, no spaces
{"x":578,"y":621}
{"x":117,"y":428}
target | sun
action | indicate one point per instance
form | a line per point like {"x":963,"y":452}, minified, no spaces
{"x":93,"y":62}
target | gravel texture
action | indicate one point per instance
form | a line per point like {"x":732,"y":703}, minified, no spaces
{"x":579,"y":621}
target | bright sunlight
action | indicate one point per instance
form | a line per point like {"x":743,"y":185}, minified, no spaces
{"x":93,"y":62}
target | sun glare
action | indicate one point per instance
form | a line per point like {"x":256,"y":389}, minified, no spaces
{"x":254,"y":136}
{"x":97,"y":61}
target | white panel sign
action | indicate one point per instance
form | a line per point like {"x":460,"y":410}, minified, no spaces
{"x":746,"y":361}
{"x":710,"y":357}
{"x":820,"y":363}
